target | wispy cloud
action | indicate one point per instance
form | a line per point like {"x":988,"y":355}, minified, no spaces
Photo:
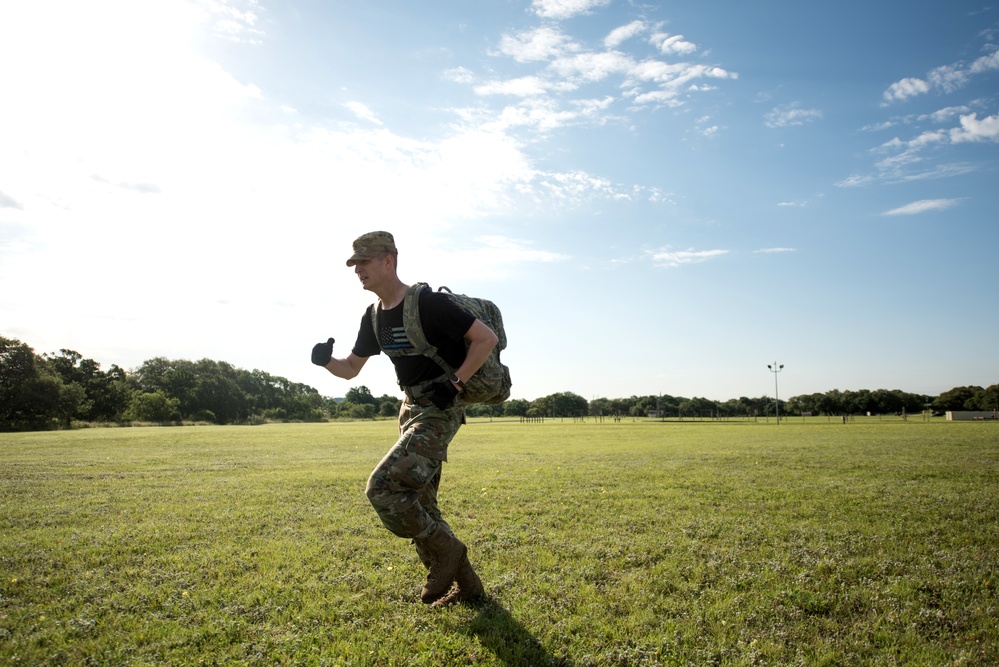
{"x":514,"y":250}
{"x":619,"y":35}
{"x":905,"y":159}
{"x":525,"y":86}
{"x":905,"y":88}
{"x":669,"y":258}
{"x":791,"y":115}
{"x":496,"y":256}
{"x":661,"y":70}
{"x":141,"y":188}
{"x":460,"y":75}
{"x":563,"y":9}
{"x":923,"y":206}
{"x":7,"y":201}
{"x":234,"y":20}
{"x":674,"y":44}
{"x":536,"y":44}
{"x":363,"y":112}
{"x":946,"y":79}
{"x":774,"y":251}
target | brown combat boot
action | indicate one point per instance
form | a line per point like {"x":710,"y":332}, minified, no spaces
{"x":446,"y":554}
{"x":469,"y":587}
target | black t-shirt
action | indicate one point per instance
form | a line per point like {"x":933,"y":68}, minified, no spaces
{"x":444,"y":325}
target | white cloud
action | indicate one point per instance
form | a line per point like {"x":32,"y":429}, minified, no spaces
{"x":672,"y":78}
{"x":9,"y":202}
{"x":985,"y":63}
{"x":459,"y":75}
{"x":535,"y":45}
{"x":856,"y":180}
{"x":669,"y":258}
{"x":974,"y":130}
{"x":922,"y":206}
{"x":904,"y":89}
{"x":563,"y":9}
{"x":946,"y":78}
{"x":591,"y":67}
{"x":543,"y":114}
{"x":774,"y":251}
{"x":904,"y":158}
{"x":496,"y":257}
{"x":622,"y":34}
{"x":565,"y":66}
{"x":676,"y":45}
{"x":234,"y":20}
{"x":944,"y":115}
{"x":363,"y":112}
{"x":878,"y":127}
{"x":525,"y":86}
{"x":791,"y":115}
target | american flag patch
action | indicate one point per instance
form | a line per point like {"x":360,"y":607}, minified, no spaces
{"x":394,"y":338}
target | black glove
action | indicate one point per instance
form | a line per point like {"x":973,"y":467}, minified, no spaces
{"x":322,"y":353}
{"x":442,"y":394}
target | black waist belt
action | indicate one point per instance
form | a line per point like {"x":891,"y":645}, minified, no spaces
{"x":418,"y":391}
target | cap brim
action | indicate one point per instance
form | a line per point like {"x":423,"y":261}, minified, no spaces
{"x":357,"y":258}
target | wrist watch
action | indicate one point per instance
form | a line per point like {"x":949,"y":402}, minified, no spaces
{"x":457,"y":380}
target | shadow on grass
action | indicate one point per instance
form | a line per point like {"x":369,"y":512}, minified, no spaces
{"x":513,"y":645}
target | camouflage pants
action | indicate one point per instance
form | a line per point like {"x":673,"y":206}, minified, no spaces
{"x":403,"y":486}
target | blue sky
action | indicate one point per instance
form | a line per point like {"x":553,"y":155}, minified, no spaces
{"x":663,"y":198}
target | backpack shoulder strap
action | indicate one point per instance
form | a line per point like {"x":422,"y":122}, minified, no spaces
{"x":410,"y":320}
{"x":414,"y":327}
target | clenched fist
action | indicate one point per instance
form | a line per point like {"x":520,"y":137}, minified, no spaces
{"x":322,"y":353}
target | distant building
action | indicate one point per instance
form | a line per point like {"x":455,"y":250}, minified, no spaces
{"x":971,"y":415}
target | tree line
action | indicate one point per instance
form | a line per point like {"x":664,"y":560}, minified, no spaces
{"x":56,"y":390}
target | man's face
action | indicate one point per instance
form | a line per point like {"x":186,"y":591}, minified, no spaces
{"x":372,"y":272}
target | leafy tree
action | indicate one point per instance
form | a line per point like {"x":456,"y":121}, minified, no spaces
{"x":562,"y":404}
{"x":958,"y":398}
{"x":600,"y":407}
{"x":360,"y":396}
{"x":153,"y":407}
{"x":17,"y":370}
{"x":363,"y":411}
{"x":32,"y":395}
{"x":643,"y":405}
{"x":389,"y":406}
{"x":515,"y":407}
{"x":698,"y":407}
{"x":106,"y":395}
{"x":989,"y":399}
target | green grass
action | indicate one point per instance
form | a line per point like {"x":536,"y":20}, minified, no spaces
{"x":632,"y":543}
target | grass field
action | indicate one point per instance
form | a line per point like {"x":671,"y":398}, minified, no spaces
{"x":632,"y":543}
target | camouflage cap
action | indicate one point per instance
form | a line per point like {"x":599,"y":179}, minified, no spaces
{"x":370,"y":245}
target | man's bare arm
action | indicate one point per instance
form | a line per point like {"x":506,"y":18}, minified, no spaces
{"x":346,"y":368}
{"x":481,"y":341}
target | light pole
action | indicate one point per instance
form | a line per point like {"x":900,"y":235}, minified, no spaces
{"x":775,"y":369}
